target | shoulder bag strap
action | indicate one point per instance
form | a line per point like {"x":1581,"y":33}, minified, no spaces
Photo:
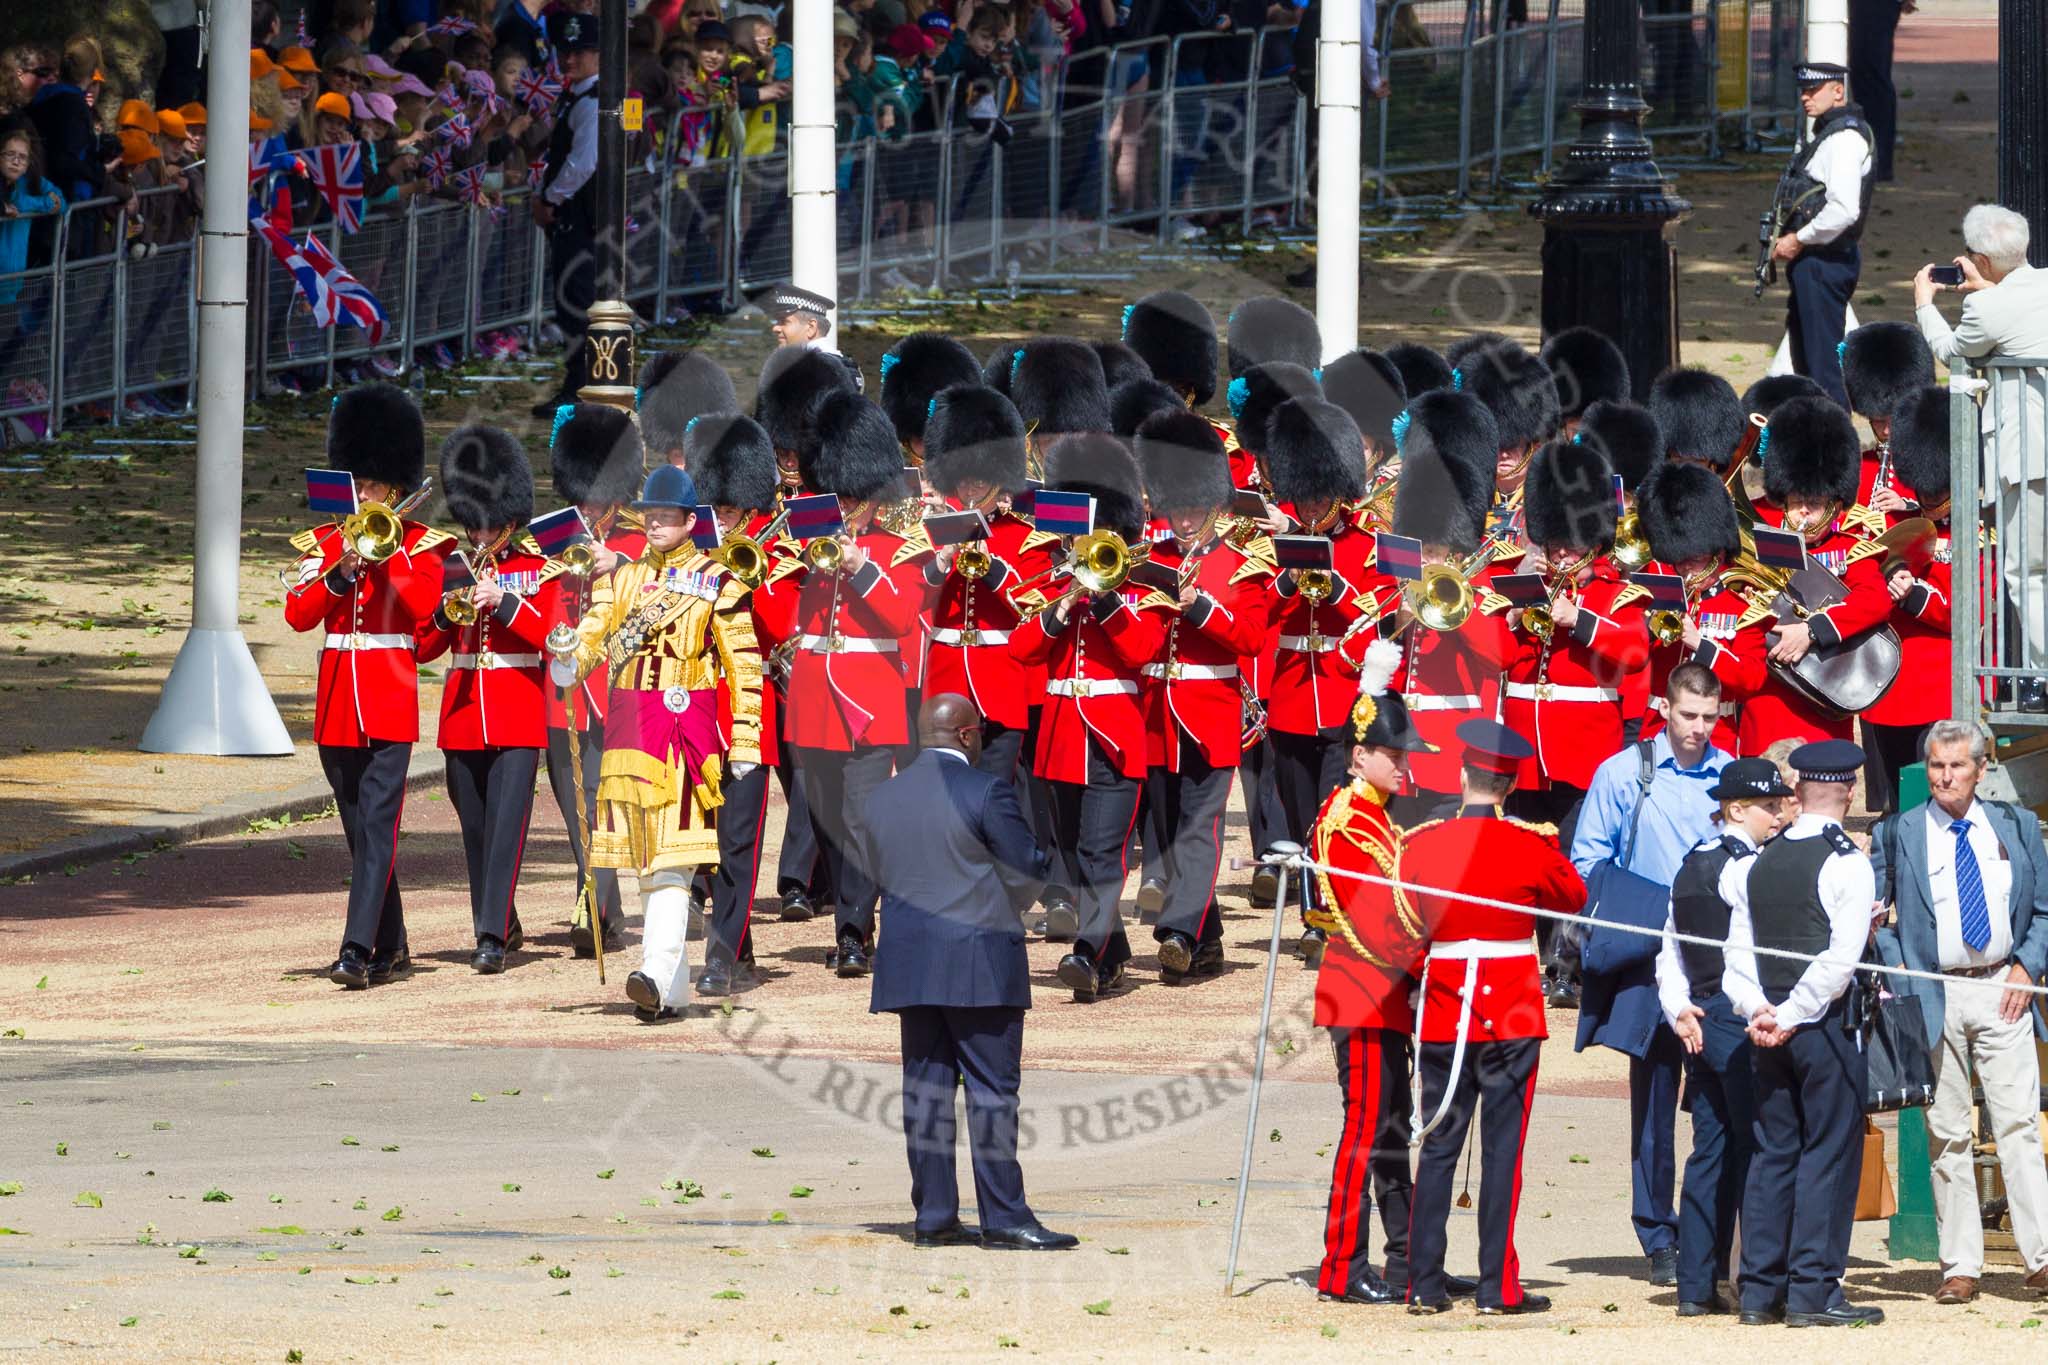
{"x":1645,"y":778}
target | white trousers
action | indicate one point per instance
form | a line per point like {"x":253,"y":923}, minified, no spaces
{"x":664,"y":936}
{"x":2010,"y":1073}
{"x":2023,"y":556}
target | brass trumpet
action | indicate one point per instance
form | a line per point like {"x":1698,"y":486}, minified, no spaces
{"x":1316,"y":585}
{"x":1631,"y":548}
{"x":1667,"y":627}
{"x":1537,"y":620}
{"x":458,"y":607}
{"x":825,"y":554}
{"x":579,"y":559}
{"x":973,"y":563}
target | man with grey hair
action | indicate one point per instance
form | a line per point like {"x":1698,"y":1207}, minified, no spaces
{"x":1968,"y":880}
{"x":2005,"y":314}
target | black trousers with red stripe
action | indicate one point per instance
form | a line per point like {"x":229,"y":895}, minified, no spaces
{"x":1193,"y":819}
{"x":369,"y":794}
{"x":1372,"y":1157}
{"x":492,"y":792}
{"x":1092,"y":824}
{"x":735,"y":879}
{"x":1499,"y":1081}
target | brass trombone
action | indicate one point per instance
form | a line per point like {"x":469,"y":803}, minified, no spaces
{"x":1442,"y":599}
{"x":376,"y":532}
{"x":745,"y":556}
{"x":1631,"y":547}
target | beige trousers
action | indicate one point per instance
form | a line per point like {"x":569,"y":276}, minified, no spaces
{"x":2010,"y":1072}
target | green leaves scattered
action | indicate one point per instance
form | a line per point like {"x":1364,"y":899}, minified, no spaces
{"x":778,"y":1216}
{"x":8,"y":1187}
{"x":511,"y":1187}
{"x":513,"y":1091}
{"x":63,"y":1149}
{"x":1118,"y":1251}
{"x":607,"y":1173}
{"x":728,"y":1294}
{"x":799,"y":1191}
{"x":285,"y":1230}
{"x":294,"y":1356}
{"x":188,"y":1252}
{"x":1273,"y":1136}
{"x":1330,"y":1331}
{"x":1097,"y":1310}
{"x":393,"y":1214}
{"x":128,"y":1322}
{"x":351,"y":1142}
{"x":216,"y":1195}
{"x":389,"y":1147}
{"x":558,"y":1272}
{"x":42,"y":983}
{"x":764,"y":1152}
{"x":477,"y":1097}
{"x":87,"y":1200}
{"x":1577,"y":1160}
{"x":266,"y":1255}
{"x":359,"y":1279}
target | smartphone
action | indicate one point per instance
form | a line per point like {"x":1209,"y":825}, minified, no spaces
{"x":1948,"y":276}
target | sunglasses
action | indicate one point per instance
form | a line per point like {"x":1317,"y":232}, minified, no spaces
{"x":45,"y":73}
{"x":346,"y":73}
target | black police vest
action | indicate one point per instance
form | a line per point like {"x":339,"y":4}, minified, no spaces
{"x":580,"y":207}
{"x":1803,"y":194}
{"x":1697,"y":908}
{"x":1785,"y":909}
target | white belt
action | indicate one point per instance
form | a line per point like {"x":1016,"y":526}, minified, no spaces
{"x":490,"y":659}
{"x":1464,"y":701}
{"x":970,"y":637}
{"x":845,"y":644}
{"x":1310,"y":644}
{"x":1471,"y":949}
{"x":359,"y":641}
{"x":1184,"y":672}
{"x":1091,"y":687}
{"x":1663,"y":707}
{"x":1522,"y":691}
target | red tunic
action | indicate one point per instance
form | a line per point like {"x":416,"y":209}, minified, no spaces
{"x":1565,"y":695}
{"x":1352,"y":833}
{"x":1315,"y":682}
{"x":369,"y":678}
{"x":589,"y":696}
{"x":1920,"y":694}
{"x":1505,"y":860}
{"x":847,"y":682}
{"x":973,"y":621}
{"x":1777,"y":712}
{"x":1092,"y":682}
{"x":494,"y":695}
{"x":1192,"y":689}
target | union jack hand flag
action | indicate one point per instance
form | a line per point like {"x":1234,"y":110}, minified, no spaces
{"x":305,"y":35}
{"x":470,"y":181}
{"x":436,"y":167}
{"x":456,"y":132}
{"x":537,"y":174}
{"x":348,"y":300}
{"x":448,"y":97}
{"x":538,"y":89}
{"x":455,"y":26}
{"x":337,"y":173}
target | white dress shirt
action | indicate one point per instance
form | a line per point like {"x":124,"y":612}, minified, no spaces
{"x":581,"y":162}
{"x":1839,"y":163}
{"x":1848,"y":890}
{"x":1674,"y":990}
{"x":1941,"y":882}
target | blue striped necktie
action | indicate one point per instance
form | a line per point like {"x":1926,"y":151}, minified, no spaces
{"x":1976,"y":916}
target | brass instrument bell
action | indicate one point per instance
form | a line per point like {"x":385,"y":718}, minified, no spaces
{"x":824,"y":554}
{"x":1442,"y":599}
{"x":1102,"y":561}
{"x":458,"y":607}
{"x":1631,"y":548}
{"x":973,"y":563}
{"x":1316,"y":585}
{"x":1667,"y":627}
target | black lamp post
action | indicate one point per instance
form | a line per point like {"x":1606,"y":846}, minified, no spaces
{"x":2023,"y":116}
{"x":1607,"y":213}
{"x":608,"y":339}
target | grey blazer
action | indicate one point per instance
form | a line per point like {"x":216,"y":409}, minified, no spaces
{"x":1910,"y":940}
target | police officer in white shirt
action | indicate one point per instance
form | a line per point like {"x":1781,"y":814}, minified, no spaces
{"x":1810,"y":890}
{"x":1825,"y":199}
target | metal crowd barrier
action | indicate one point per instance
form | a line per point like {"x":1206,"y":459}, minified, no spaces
{"x":1134,"y":138}
{"x":1999,"y":570}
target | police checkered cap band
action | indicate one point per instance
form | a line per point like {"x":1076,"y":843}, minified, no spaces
{"x":1827,"y":775}
{"x":790,"y":299}
{"x":1817,"y":73}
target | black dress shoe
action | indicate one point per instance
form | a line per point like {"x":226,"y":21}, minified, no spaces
{"x":1664,"y":1267}
{"x":1366,"y":1287}
{"x":395,"y":968}
{"x":641,"y":990}
{"x":1265,"y":888}
{"x":516,"y":938}
{"x":1841,"y":1315}
{"x":1029,"y":1237}
{"x":1078,"y":975}
{"x":852,"y":959}
{"x":1062,"y":921}
{"x":796,"y":906}
{"x":2033,"y":695}
{"x":951,"y":1235}
{"x":1108,"y":979}
{"x":1311,"y":946}
{"x":582,"y":943}
{"x":1701,"y":1308}
{"x":1151,"y":900}
{"x":489,"y":957}
{"x":1460,"y":1286}
{"x":351,"y":969}
{"x":1176,"y":953}
{"x":1762,"y":1317}
{"x":1421,"y":1307}
{"x":1531,"y":1303}
{"x":1206,"y":962}
{"x":716,"y":979}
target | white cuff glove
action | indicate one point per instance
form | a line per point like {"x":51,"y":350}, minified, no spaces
{"x":740,"y":770}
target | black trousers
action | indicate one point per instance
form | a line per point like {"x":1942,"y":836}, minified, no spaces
{"x":572,"y":248}
{"x":1653,"y":1082}
{"x":1822,"y":280}
{"x":1001,"y":746}
{"x":739,"y":866}
{"x":1372,"y":1157}
{"x":1499,"y":1081}
{"x":560,"y":781}
{"x":1799,"y":1204}
{"x":492,"y":792}
{"x":1263,"y":812}
{"x":1888,"y":749}
{"x":1722,"y":1085}
{"x":1092,"y":823}
{"x":837,"y":786}
{"x":1558,"y":805}
{"x":800,"y":867}
{"x":1873,"y":26}
{"x":1193,"y":801}
{"x":1306,"y":769}
{"x":369,"y":795}
{"x":942,"y":1046}
{"x":1151,"y":837}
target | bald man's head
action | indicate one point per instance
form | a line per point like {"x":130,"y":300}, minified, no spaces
{"x":949,"y":721}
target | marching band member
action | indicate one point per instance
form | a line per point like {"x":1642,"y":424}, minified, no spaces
{"x":1176,"y":338}
{"x":1363,"y":989}
{"x":1628,"y":436}
{"x":1058,"y":387}
{"x":914,"y":371}
{"x":675,"y":627}
{"x":1091,"y":747}
{"x":598,"y":461}
{"x":1267,"y":328}
{"x":1587,"y":368}
{"x":1883,"y":363}
{"x":1197,"y":710}
{"x":493,"y":701}
{"x":1481,"y":1023}
{"x":1699,"y":417}
{"x":792,"y":379}
{"x":1132,"y":401}
{"x":1810,"y":463}
{"x":366,"y":709}
{"x":732,"y":463}
{"x":1519,"y":391}
{"x":1421,"y":368}
{"x":1120,"y":364}
{"x":675,"y":387}
{"x":1368,"y":386}
{"x":1917,"y":579}
{"x":846,"y":687}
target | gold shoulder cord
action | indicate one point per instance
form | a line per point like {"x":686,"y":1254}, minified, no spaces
{"x":1388,"y":860}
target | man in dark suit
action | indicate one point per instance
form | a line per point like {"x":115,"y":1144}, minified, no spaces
{"x":1969,"y":880}
{"x":957,"y":863}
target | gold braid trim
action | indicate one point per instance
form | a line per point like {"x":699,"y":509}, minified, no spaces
{"x":1338,"y":823}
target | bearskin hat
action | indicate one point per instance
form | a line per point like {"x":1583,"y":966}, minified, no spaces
{"x":375,"y":431}
{"x":1267,"y":328}
{"x":1626,"y":435}
{"x":996,"y":370}
{"x":1699,"y":416}
{"x":1130,"y":403}
{"x":1516,"y":388}
{"x":1181,"y":459}
{"x":793,"y":379}
{"x":913,"y":372}
{"x":973,"y":432}
{"x":1098,"y":465}
{"x":1920,"y":444}
{"x":1457,"y":352}
{"x":1587,"y":368}
{"x":486,"y":478}
{"x":1570,"y":496}
{"x":676,"y":386}
{"x":1058,"y":387}
{"x":732,"y":461}
{"x":1422,"y":369}
{"x":1882,"y":362}
{"x":1448,"y":452}
{"x":848,"y":447}
{"x":1314,"y":452}
{"x":1254,"y":394}
{"x":1685,"y":513}
{"x":596,"y":455}
{"x":1120,"y":364}
{"x":1369,"y":386}
{"x":1175,"y":336}
{"x":1767,"y":393}
{"x":1810,"y":450}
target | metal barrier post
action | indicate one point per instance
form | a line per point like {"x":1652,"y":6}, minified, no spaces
{"x":942,"y":222}
{"x":59,"y":293}
{"x":472,"y":277}
{"x":333,"y":331}
{"x":1500,"y":101}
{"x":1169,"y":140}
{"x":120,"y":272}
{"x":1966,"y":543}
{"x":409,"y":330}
{"x":667,"y":163}
{"x":1713,"y":78}
{"x":1549,"y":86}
{"x":865,"y":269}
